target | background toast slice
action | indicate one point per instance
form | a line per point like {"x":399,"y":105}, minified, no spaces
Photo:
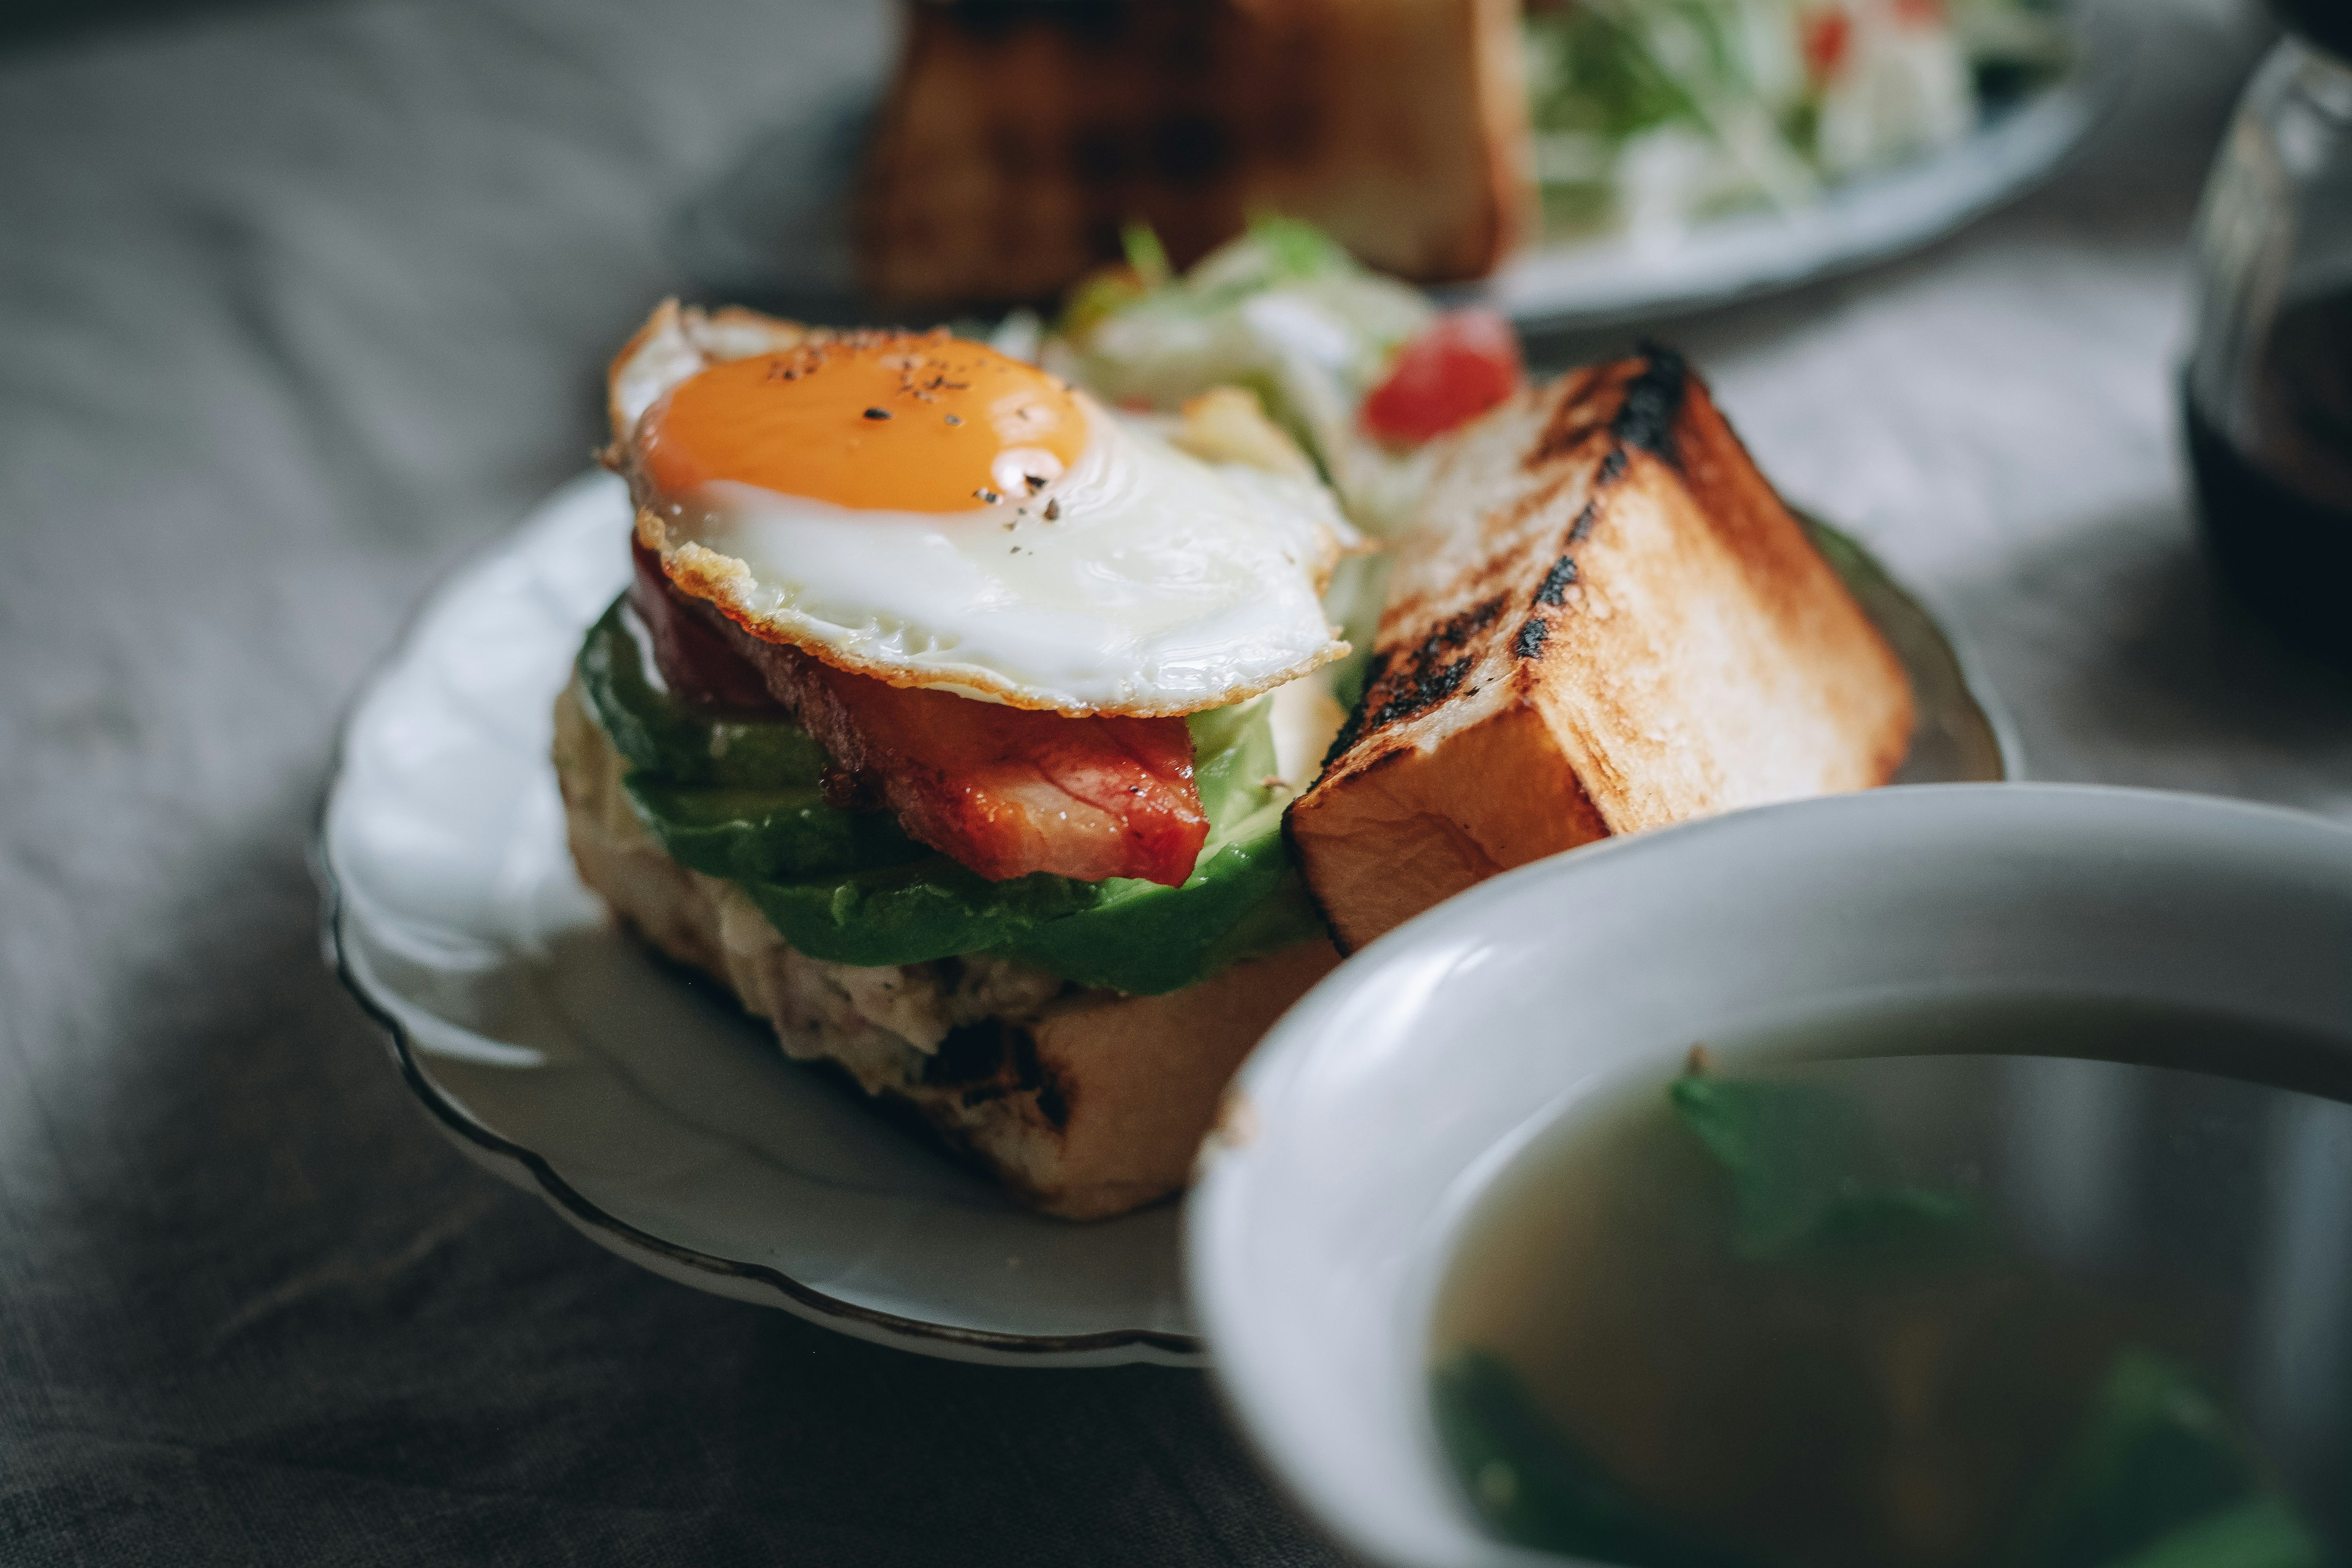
{"x":1017,"y":137}
{"x":1603,"y":620}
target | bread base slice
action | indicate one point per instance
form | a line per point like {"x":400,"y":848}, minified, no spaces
{"x":1084,"y":1103}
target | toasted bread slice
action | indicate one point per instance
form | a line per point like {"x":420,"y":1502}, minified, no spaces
{"x":1017,"y":139}
{"x":1084,"y":1103}
{"x":1604,"y":620}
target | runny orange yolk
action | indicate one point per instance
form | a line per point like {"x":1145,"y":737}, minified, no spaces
{"x":880,"y":421}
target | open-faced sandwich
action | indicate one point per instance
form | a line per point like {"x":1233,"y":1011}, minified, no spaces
{"x":945,"y":721}
{"x":953,"y":713}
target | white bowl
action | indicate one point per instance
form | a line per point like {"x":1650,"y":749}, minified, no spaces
{"x":1385,"y":1100}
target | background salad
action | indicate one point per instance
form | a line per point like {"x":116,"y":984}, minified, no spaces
{"x":1651,"y":114}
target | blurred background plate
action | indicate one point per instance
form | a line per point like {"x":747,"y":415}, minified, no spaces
{"x":635,"y":1098}
{"x":1875,"y":217}
{"x":772,"y":230}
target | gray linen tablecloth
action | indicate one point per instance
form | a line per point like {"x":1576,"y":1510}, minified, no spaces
{"x":299,"y":308}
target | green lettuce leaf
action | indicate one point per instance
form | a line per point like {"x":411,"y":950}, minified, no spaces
{"x":1281,"y":310}
{"x":740,"y":798}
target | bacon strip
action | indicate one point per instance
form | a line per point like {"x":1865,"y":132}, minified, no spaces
{"x":1004,"y":791}
{"x":695,"y":659}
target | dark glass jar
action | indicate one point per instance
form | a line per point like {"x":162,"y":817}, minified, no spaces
{"x":2267,"y":395}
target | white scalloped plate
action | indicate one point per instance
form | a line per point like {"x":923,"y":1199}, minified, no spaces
{"x":635,"y":1099}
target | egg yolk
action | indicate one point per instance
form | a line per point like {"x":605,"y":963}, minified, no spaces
{"x":878,"y":421}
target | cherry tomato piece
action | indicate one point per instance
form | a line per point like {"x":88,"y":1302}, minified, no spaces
{"x":1461,"y":365}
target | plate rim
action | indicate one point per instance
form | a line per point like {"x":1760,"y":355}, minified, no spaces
{"x":762,"y":1284}
{"x":1967,"y":661}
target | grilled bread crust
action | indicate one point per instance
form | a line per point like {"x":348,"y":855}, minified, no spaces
{"x":1083,"y":1103}
{"x":1020,"y":136}
{"x":1604,"y":620}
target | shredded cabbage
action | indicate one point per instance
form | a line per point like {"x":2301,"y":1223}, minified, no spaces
{"x":1283,"y":310}
{"x":1651,"y":114}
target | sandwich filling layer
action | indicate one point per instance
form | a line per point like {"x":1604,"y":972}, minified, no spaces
{"x":742,"y":796}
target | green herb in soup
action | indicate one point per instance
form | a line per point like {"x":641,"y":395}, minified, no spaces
{"x":1938,"y":1311}
{"x":1807,"y":1172}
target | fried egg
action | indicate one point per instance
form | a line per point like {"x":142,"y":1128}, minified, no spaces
{"x":924,"y":510}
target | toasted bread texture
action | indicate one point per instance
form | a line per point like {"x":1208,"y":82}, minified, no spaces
{"x":1018,"y":138}
{"x":1604,"y":620}
{"x":1084,"y":1103}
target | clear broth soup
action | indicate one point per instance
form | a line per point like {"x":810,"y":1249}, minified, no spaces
{"x":1930,"y":1288}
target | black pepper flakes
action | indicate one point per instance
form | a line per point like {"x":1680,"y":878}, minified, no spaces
{"x":1054,"y":511}
{"x":954,"y":419}
{"x":878,"y":414}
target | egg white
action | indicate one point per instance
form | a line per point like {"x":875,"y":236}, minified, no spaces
{"x":1144,"y":581}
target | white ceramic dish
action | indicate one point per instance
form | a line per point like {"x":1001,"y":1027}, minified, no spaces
{"x":1570,"y":285}
{"x":637,"y":1101}
{"x":1379,"y":1108}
